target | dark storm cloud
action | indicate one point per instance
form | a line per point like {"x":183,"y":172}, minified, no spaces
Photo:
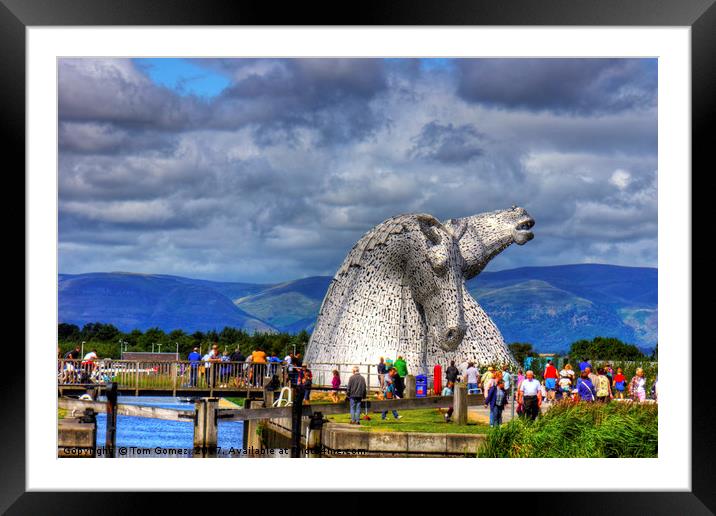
{"x":332,"y":96}
{"x":279,"y":174}
{"x":115,"y":91}
{"x":560,"y":85}
{"x":447,"y":143}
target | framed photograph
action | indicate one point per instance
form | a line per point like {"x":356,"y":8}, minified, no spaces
{"x":233,"y":213}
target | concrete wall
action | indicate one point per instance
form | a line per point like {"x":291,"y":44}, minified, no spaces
{"x":347,"y":441}
{"x":75,"y":439}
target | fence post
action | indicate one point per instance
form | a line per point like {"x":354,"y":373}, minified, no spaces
{"x":173,"y":368}
{"x":409,"y":387}
{"x":136,"y":379}
{"x":110,"y":442}
{"x":460,"y":403}
{"x":205,"y":428}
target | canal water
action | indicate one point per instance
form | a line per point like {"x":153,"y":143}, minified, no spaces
{"x":147,"y":437}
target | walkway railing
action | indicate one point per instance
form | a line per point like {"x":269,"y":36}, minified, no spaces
{"x":168,"y":375}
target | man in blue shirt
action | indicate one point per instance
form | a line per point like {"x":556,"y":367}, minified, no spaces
{"x":194,"y":359}
{"x":584,"y":364}
{"x":507,"y":377}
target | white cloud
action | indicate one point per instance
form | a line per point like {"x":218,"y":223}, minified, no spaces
{"x":620,"y":179}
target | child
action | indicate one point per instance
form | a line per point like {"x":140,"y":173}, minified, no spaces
{"x":335,"y":384}
{"x":307,"y":381}
{"x":390,"y":392}
{"x":619,"y":383}
{"x":565,"y":386}
{"x":448,"y":391}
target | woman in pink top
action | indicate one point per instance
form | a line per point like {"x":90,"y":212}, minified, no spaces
{"x":336,"y":384}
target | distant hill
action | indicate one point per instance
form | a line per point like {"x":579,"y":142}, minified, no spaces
{"x":549,"y":307}
{"x":552,"y":307}
{"x":144,"y":301}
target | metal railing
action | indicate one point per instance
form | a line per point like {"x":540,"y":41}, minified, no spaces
{"x":169,"y":375}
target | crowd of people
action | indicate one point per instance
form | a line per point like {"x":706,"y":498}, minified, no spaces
{"x":219,"y":369}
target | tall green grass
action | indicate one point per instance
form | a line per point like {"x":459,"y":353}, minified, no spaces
{"x":622,"y":430}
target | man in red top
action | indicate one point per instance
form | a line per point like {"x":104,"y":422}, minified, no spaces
{"x":550,"y":380}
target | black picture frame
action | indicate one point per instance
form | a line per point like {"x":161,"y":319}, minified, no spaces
{"x":700,"y":15}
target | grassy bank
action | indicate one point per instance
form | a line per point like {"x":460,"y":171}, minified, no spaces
{"x":422,"y":420}
{"x":583,"y":430}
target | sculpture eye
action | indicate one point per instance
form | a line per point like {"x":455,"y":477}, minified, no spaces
{"x":438,"y":258}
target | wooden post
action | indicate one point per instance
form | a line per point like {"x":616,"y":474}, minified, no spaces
{"x":110,"y":442}
{"x":136,"y":380}
{"x":205,"y":428}
{"x":460,"y":403}
{"x":297,"y":409}
{"x":409,"y":387}
{"x":268,"y":393}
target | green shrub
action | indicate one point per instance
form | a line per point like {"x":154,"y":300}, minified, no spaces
{"x":579,"y":430}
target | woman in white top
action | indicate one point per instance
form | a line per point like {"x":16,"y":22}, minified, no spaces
{"x":637,"y":386}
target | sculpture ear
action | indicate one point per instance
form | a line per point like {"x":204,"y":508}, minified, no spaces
{"x":459,"y":226}
{"x":429,"y":226}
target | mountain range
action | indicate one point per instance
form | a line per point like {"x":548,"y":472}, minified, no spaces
{"x":549,"y":307}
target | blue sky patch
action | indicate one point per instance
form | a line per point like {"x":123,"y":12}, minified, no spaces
{"x":183,"y":77}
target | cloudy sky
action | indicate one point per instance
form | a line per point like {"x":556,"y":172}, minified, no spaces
{"x":265,"y":170}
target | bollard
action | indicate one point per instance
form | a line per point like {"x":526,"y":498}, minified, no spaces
{"x":460,"y":404}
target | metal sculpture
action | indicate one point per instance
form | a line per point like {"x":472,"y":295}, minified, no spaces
{"x":401,"y":291}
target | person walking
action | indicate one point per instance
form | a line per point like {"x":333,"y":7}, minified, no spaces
{"x":211,"y":365}
{"x":530,"y":395}
{"x":472,"y":377}
{"x":487,"y":380}
{"x":507,"y":377}
{"x":565,"y":382}
{"x":398,"y":380}
{"x":194,"y":359}
{"x":382,"y":370}
{"x":584,"y":364}
{"x":390,"y":392}
{"x":585,"y":387}
{"x":258,"y":361}
{"x":550,"y":380}
{"x":307,"y":382}
{"x":637,"y":386}
{"x":602,"y":387}
{"x":496,"y":400}
{"x":619,"y":383}
{"x":592,"y":376}
{"x":355,"y":392}
{"x":449,"y":390}
{"x":401,"y":366}
{"x":451,"y":373}
{"x":335,"y":385}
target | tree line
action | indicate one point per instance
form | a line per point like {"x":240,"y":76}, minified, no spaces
{"x":599,"y":348}
{"x":109,"y":341}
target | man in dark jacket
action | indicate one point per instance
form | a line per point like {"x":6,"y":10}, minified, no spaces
{"x":452,"y":372}
{"x":355,"y":392}
{"x":496,"y":400}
